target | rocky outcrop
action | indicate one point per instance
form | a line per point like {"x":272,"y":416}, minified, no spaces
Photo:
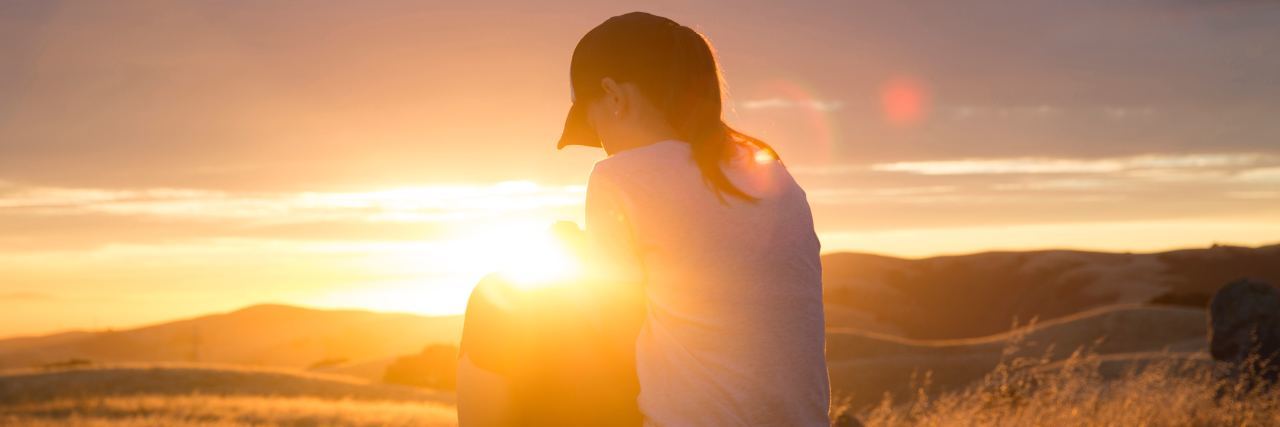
{"x":436,"y":367}
{"x":1244,"y":319}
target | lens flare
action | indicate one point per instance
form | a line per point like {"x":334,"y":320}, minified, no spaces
{"x":811,"y":119}
{"x":903,"y":101}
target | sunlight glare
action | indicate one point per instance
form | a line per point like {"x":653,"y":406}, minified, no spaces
{"x":763,"y":156}
{"x":539,"y":259}
{"x":436,"y":276}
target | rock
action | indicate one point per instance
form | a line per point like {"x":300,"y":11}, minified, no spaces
{"x":1244,"y":319}
{"x":436,"y":367}
{"x":846,"y":420}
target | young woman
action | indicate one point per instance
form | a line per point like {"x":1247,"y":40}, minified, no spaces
{"x":706,"y":224}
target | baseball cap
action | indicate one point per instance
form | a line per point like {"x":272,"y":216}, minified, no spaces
{"x":634,"y":47}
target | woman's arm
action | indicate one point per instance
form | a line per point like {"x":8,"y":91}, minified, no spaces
{"x":483,"y":396}
{"x":484,"y":360}
{"x":613,"y":257}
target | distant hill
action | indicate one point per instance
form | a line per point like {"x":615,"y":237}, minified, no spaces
{"x":20,"y":343}
{"x":983,"y":294}
{"x":886,"y":317}
{"x":262,"y":335}
{"x":1105,"y":330}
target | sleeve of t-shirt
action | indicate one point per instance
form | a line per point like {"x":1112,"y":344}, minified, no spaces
{"x":613,"y":254}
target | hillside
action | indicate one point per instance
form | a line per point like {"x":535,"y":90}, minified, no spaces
{"x":983,"y":294}
{"x":263,"y":335}
{"x":888,"y":319}
{"x":866,"y":365}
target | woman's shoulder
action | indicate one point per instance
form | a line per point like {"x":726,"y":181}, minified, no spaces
{"x":643,"y":166}
{"x":667,"y":166}
{"x":661,"y":151}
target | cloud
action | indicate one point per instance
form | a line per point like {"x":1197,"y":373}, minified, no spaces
{"x":975,"y":111}
{"x":1120,"y":113}
{"x":1059,"y":184}
{"x":27,"y":296}
{"x":406,"y":204}
{"x":1041,"y":165}
{"x":1146,"y":235}
{"x":1268,"y":174}
{"x":1254,"y":195}
{"x":1029,"y":189}
{"x":780,"y":103}
{"x":848,"y":195}
{"x":1041,"y":111}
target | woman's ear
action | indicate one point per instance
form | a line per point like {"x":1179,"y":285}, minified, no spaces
{"x":614,"y":96}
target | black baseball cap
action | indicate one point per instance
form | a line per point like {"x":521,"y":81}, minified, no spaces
{"x":634,"y":47}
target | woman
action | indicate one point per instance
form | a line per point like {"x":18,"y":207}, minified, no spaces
{"x":706,"y":224}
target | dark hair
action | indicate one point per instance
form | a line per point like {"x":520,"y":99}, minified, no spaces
{"x":674,"y":67}
{"x":694,"y":108}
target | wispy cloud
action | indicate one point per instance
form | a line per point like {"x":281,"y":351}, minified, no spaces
{"x":1121,"y":113}
{"x":977,"y":111}
{"x":1043,"y":111}
{"x":1254,"y":195}
{"x":1267,"y":174}
{"x":778,"y":103}
{"x":1142,"y":181}
{"x":1040,"y":165}
{"x":847,"y":195}
{"x":407,"y":204}
{"x":1059,"y":184}
{"x":27,"y":296}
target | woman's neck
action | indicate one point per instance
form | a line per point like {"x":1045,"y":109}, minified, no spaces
{"x":640,"y":137}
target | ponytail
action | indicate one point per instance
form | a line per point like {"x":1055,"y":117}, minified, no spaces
{"x":694,"y":108}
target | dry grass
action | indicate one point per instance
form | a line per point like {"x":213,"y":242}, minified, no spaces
{"x":97,"y":380}
{"x":863,"y":366}
{"x":205,"y":410}
{"x":1078,"y":392}
{"x":1085,"y":389}
{"x":210,"y":395}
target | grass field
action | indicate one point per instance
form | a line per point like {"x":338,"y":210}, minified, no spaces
{"x":1149,"y":389}
{"x":211,"y":395}
{"x":1082,"y":392}
{"x":213,"y":410}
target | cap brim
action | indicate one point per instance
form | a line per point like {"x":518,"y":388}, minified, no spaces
{"x":577,"y":131}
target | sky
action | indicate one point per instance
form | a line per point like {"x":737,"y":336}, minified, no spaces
{"x":169,"y":159}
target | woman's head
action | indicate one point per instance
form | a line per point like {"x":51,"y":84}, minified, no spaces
{"x":639,"y":76}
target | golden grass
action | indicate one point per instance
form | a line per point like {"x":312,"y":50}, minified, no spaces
{"x":1076,"y":392}
{"x":156,"y":394}
{"x":206,"y":410}
{"x":863,"y":366}
{"x":27,"y":385}
{"x":1156,"y":389}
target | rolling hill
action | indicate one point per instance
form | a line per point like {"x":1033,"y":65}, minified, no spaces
{"x":888,"y":319}
{"x":865,"y":365}
{"x":262,"y":335}
{"x":983,"y":294}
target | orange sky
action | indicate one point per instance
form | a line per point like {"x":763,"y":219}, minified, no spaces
{"x":160,"y":160}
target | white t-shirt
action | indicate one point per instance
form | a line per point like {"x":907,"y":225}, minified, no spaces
{"x":734,"y":331}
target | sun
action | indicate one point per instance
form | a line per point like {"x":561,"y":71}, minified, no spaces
{"x":539,"y":259}
{"x":436,"y":277}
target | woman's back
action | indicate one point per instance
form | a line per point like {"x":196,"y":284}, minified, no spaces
{"x":734,"y":328}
